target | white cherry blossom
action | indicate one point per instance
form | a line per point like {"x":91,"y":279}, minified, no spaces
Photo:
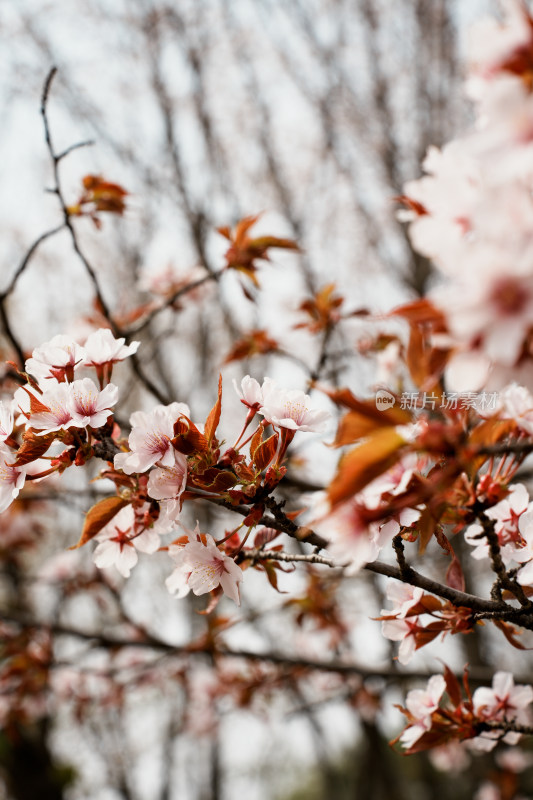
{"x":59,"y":415}
{"x":517,"y":403}
{"x":102,"y":348}
{"x":403,"y":596}
{"x":403,"y":631}
{"x":422,"y":703}
{"x":202,"y":567}
{"x":291,"y":409}
{"x":90,"y":407}
{"x":56,"y":359}
{"x":505,"y":702}
{"x":168,"y":483}
{"x":506,"y":515}
{"x":119,"y":541}
{"x":150,"y":439}
{"x":251,"y":393}
{"x":6,"y":421}
{"x":11,"y":478}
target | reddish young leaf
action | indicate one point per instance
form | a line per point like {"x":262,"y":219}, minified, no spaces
{"x":364,"y":463}
{"x":36,"y":407}
{"x":455,"y":577}
{"x":453,"y":687}
{"x":256,"y":440}
{"x":33,"y":447}
{"x":187,"y":438}
{"x":256,"y":342}
{"x":510,"y":632}
{"x":272,"y":575}
{"x":266,"y":452}
{"x":211,"y":423}
{"x":98,"y":516}
{"x":265,"y":536}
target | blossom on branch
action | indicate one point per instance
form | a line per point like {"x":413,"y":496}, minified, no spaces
{"x":150,"y":439}
{"x":120,"y":540}
{"x":6,"y":421}
{"x":202,"y":567}
{"x":57,"y":359}
{"x":102,"y":348}
{"x":421,"y":703}
{"x":89,"y":407}
{"x":11,"y":478}
{"x":291,"y":409}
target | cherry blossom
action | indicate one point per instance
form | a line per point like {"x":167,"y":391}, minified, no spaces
{"x":202,"y":567}
{"x":57,"y":399}
{"x":56,"y":359}
{"x":422,"y":703}
{"x":506,"y":515}
{"x":505,"y":702}
{"x":166,"y":483}
{"x":102,"y":348}
{"x":403,"y":596}
{"x":120,"y":540}
{"x":292,"y":410}
{"x":89,"y":407}
{"x":353,"y":537}
{"x":6,"y":421}
{"x":251,"y":393}
{"x":150,"y":439}
{"x":11,"y":478}
{"x":525,"y":554}
{"x":517,"y":403}
{"x":404,"y":631}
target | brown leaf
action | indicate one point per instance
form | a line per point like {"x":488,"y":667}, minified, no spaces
{"x":187,"y":438}
{"x":510,"y":632}
{"x":455,"y":577}
{"x":425,"y":527}
{"x":33,"y":447}
{"x":211,"y":423}
{"x":453,"y":687}
{"x":361,"y":465}
{"x":265,"y":536}
{"x":266,"y":451}
{"x":98,"y":516}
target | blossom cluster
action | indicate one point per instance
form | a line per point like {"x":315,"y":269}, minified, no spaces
{"x":483,"y":718}
{"x":472,"y":213}
{"x":65,"y":419}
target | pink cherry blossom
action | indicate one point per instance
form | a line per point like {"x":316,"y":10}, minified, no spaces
{"x":352,"y":537}
{"x":506,"y":515}
{"x":102,"y":348}
{"x":251,"y":393}
{"x":404,"y":631}
{"x":292,"y":410}
{"x":403,"y":596}
{"x":59,"y":415}
{"x":120,"y":540}
{"x":353,"y":542}
{"x":505,"y":701}
{"x":517,"y":403}
{"x":150,"y":439}
{"x":525,"y":554}
{"x":90,"y":407}
{"x":422,"y":703}
{"x":167,"y":483}
{"x":201,"y":568}
{"x":56,"y":359}
{"x":11,"y":478}
{"x":6,"y":421}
